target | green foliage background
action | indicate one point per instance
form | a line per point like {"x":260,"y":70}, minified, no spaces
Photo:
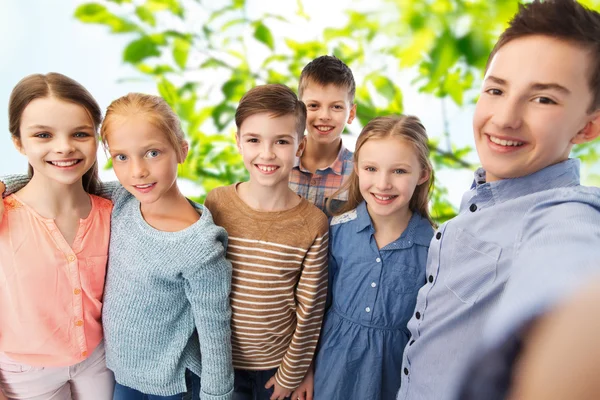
{"x":203,"y":58}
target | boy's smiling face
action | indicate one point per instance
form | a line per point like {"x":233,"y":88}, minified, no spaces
{"x":328,"y":111}
{"x":534,"y":106}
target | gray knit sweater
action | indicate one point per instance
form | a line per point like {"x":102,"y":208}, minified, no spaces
{"x":166,"y":301}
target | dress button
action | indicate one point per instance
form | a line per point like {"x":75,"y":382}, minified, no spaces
{"x":418,"y":315}
{"x":473,"y":207}
{"x":430,"y":278}
{"x":373,"y":284}
{"x":71,"y":258}
{"x":405,"y":371}
{"x":378,"y":259}
{"x":77,"y":291}
{"x":368,"y":309}
{"x":79,"y":323}
{"x":438,"y":235}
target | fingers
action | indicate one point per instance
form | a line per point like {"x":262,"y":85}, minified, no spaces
{"x":270,"y":383}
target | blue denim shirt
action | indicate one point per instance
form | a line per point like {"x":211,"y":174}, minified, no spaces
{"x":531,"y":232}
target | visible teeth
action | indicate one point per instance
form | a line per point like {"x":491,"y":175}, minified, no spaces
{"x":64,"y":163}
{"x":505,"y":142}
{"x":384,"y":198}
{"x":144,"y":186}
{"x":324,"y":128}
{"x":266,"y":168}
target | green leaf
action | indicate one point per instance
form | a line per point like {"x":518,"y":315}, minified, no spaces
{"x":174,"y":6}
{"x":233,"y":88}
{"x":181,"y":49}
{"x":168,"y":91}
{"x":145,"y":15}
{"x":94,"y":13}
{"x":213,"y":63}
{"x":140,"y":49}
{"x":120,"y":1}
{"x":264,"y":35}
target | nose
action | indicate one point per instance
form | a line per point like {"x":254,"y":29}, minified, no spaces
{"x":138,"y":169}
{"x":508,"y":114}
{"x":267,"y":152}
{"x":383,"y":181}
{"x":325,"y":114}
{"x":64,"y":145}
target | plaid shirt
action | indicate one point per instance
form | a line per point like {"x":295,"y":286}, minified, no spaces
{"x":321,"y":185}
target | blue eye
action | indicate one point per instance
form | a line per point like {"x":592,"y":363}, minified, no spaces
{"x":42,"y":135}
{"x":370,"y":169}
{"x":153,"y":153}
{"x":400,"y":171}
{"x":81,"y":135}
{"x":120,"y":157}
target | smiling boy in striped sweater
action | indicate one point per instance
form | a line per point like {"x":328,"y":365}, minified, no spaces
{"x":278,"y":248}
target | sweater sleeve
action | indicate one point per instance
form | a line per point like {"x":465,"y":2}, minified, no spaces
{"x":14,"y":183}
{"x":311,"y":293}
{"x":207,"y":289}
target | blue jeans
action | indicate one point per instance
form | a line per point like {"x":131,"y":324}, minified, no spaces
{"x":250,"y":385}
{"x":127,"y":393}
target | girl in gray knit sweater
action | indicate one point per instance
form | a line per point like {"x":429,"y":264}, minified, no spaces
{"x":166,"y":312}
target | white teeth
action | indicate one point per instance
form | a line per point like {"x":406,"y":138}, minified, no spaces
{"x":384,"y":198}
{"x":144,"y":186}
{"x":324,"y":128}
{"x":505,"y":142}
{"x":64,"y":163}
{"x":266,"y":168}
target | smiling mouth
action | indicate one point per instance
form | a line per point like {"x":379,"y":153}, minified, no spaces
{"x":64,"y":164}
{"x":146,"y":186}
{"x":505,"y":143}
{"x":267,"y":168}
{"x":324,"y":128}
{"x":382,"y":198}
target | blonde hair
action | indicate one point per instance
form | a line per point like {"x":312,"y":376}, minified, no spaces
{"x":157,"y":112}
{"x":405,"y":127}
{"x":61,"y":87}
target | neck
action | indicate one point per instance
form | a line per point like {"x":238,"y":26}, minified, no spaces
{"x":168,"y":204}
{"x":320,"y":155}
{"x":51,"y":199}
{"x":277,"y":198}
{"x":390,"y":227}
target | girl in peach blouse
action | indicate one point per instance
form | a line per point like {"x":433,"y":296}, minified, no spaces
{"x":54,"y":238}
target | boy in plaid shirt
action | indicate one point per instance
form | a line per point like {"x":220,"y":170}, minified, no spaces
{"x":327,"y":88}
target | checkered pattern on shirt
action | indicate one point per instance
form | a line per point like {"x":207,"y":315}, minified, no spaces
{"x":321,"y":185}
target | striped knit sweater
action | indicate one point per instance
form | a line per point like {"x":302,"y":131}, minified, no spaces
{"x":279,"y":284}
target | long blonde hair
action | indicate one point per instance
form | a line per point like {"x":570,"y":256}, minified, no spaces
{"x":405,"y":127}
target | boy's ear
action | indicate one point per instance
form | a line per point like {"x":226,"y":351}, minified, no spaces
{"x":352,"y":114}
{"x":301,"y":147}
{"x":237,"y":142}
{"x":18,"y":145}
{"x":590,"y":131}
{"x":185,"y":148}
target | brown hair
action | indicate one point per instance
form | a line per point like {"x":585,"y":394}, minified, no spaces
{"x":328,"y":70}
{"x":560,"y":19}
{"x":63,"y":88}
{"x":155,"y":109}
{"x":274,"y":99}
{"x":404,"y":127}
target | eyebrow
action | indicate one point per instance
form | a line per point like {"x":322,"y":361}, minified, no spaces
{"x":534,"y":86}
{"x":285,"y":135}
{"x":46,"y":127}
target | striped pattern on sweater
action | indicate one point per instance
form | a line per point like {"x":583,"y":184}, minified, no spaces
{"x":279,"y":284}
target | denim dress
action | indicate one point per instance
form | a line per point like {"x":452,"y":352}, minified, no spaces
{"x":372,"y":296}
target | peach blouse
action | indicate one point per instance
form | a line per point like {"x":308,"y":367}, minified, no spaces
{"x":50,"y":291}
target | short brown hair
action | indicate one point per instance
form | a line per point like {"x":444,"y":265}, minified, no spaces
{"x":560,"y":19}
{"x":274,"y":99}
{"x":155,"y":109}
{"x":53,"y":84}
{"x":402,"y":127}
{"x":328,"y":70}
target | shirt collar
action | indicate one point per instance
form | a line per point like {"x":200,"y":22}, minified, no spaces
{"x":563,"y":174}
{"x":337,"y":165}
{"x":418,"y":231}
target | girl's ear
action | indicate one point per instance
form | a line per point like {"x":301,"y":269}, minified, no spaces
{"x":590,"y":131}
{"x":185,"y":148}
{"x":425,"y":174}
{"x":18,"y":145}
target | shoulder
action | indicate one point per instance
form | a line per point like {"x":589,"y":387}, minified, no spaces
{"x":218,"y":196}
{"x":316,"y":219}
{"x":11,"y":204}
{"x":344,"y":218}
{"x":101,"y":203}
